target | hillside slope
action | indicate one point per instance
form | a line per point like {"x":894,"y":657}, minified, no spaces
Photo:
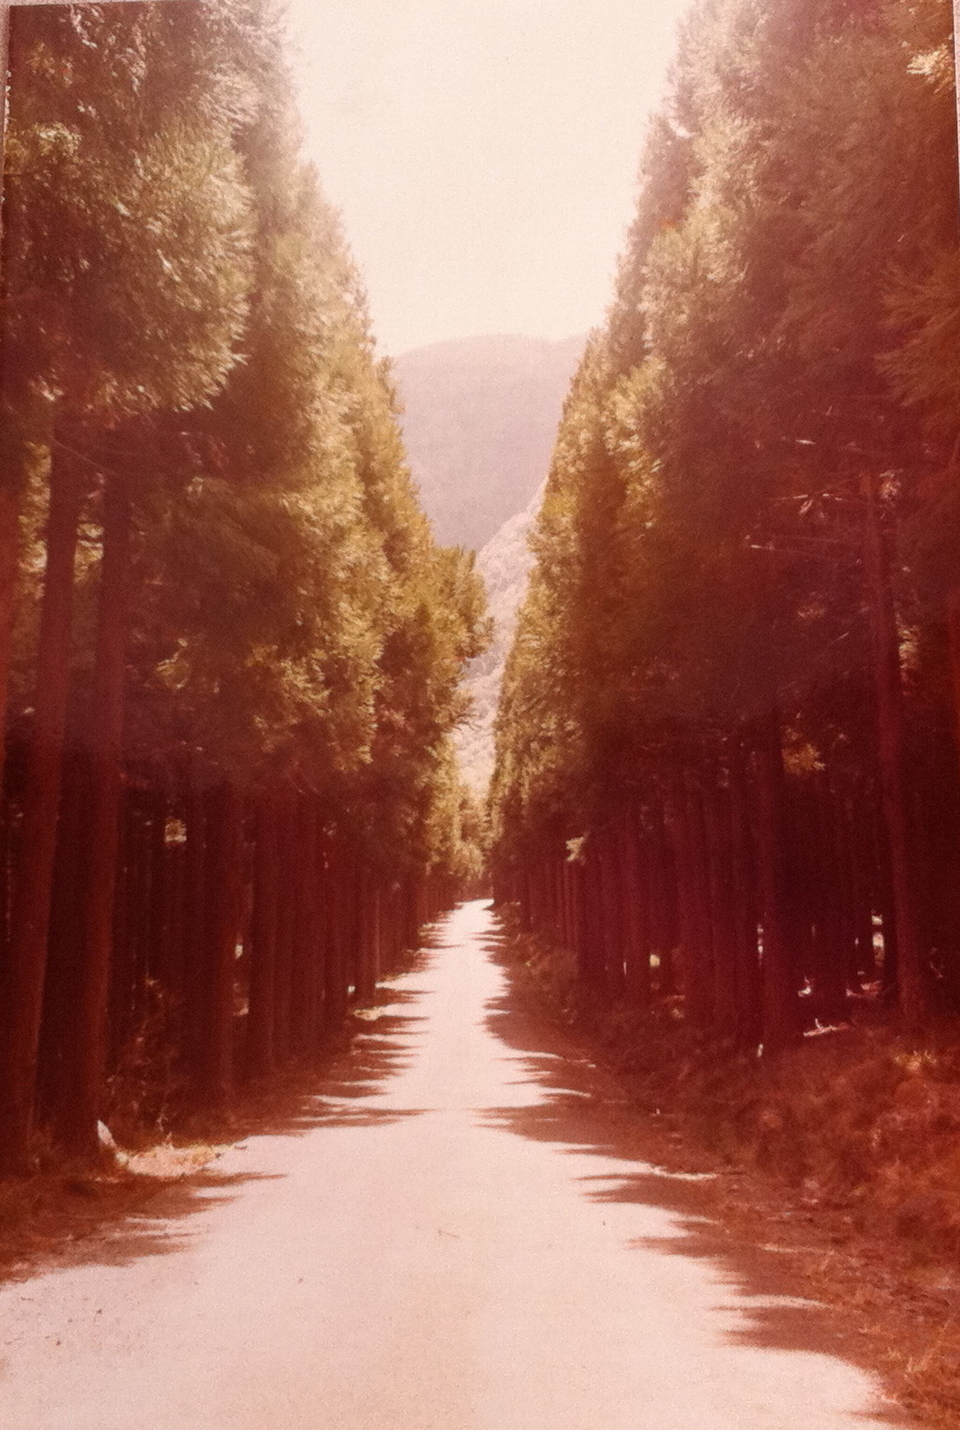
{"x":480,"y":419}
{"x":504,"y":563}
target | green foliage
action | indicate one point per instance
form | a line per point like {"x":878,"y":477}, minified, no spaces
{"x":784,"y":321}
{"x":128,"y":218}
{"x":179,"y":293}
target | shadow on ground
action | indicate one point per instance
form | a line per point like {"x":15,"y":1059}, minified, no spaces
{"x":118,"y":1220}
{"x":582,"y":1109}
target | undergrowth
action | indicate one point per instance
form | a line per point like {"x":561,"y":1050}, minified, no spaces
{"x":865,"y":1119}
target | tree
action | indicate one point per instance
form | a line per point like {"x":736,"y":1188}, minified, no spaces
{"x":151,"y":250}
{"x":719,"y":604}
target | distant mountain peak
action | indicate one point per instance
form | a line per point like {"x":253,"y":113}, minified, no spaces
{"x":494,"y":347}
{"x":480,"y":417}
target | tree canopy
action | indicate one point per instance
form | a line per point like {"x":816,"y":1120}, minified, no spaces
{"x":749,"y":532}
{"x":232,"y":633}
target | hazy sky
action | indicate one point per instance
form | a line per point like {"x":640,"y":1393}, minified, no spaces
{"x":483,"y":152}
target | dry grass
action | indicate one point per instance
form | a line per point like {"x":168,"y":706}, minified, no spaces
{"x":64,"y":1204}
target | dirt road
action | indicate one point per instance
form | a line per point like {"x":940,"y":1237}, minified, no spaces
{"x":457,"y":1236}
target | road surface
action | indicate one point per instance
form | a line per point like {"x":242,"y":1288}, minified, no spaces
{"x":456,"y":1236}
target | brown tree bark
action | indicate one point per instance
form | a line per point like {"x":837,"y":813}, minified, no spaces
{"x":721,"y":877}
{"x":123,"y":966}
{"x":22,"y":984}
{"x":781,"y":1010}
{"x":912,"y":977}
{"x":353,"y":920}
{"x":831,"y":922}
{"x":746,"y":911}
{"x":306,"y":966}
{"x":637,"y":910}
{"x":87,"y":1048}
{"x":953,"y":636}
{"x":195,"y":918}
{"x":288,"y":874}
{"x":611,"y":902}
{"x":261,"y":1055}
{"x":369,"y":952}
{"x":10,"y":500}
{"x":173,"y":976}
{"x":591,"y":952}
{"x":665,"y":928}
{"x":224,"y":895}
{"x":335,"y":981}
{"x":158,"y":883}
{"x":61,"y":982}
{"x":13,"y":393}
{"x":693,"y":880}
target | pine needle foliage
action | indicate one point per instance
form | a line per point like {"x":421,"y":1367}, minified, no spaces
{"x":735,"y":645}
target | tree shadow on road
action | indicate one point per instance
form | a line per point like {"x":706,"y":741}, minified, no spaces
{"x":582,"y":1109}
{"x":116,"y":1218}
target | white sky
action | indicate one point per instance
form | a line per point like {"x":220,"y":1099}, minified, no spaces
{"x":483,"y":153}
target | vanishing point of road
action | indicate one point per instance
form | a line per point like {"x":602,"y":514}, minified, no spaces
{"x":456,"y":1235}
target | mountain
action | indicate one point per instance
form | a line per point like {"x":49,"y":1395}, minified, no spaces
{"x":480,"y":419}
{"x":504,"y":563}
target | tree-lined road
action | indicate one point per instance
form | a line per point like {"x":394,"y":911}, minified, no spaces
{"x":458,"y":1237}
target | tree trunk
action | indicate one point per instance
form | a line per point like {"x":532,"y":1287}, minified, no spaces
{"x":87,"y":1053}
{"x":367,"y":968}
{"x":953,"y":632}
{"x":158,"y":882}
{"x":22,"y":987}
{"x":610,"y":892}
{"x":10,"y":498}
{"x":13,"y":396}
{"x":123,"y":967}
{"x":306,"y":967}
{"x":832,"y":920}
{"x":224,"y":890}
{"x":174,"y":930}
{"x":665,"y":931}
{"x":746,"y":914}
{"x":335,"y":964}
{"x":912,"y":979}
{"x":261,"y":1058}
{"x":781,"y":1012}
{"x":722,"y":887}
{"x":195,"y":918}
{"x":693,"y":878}
{"x":591,"y":969}
{"x":862,"y":864}
{"x":286,"y":930}
{"x":61,"y":990}
{"x":637,"y":909}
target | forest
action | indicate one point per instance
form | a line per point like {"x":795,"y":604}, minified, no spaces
{"x":231,"y":651}
{"x":728,"y":775}
{"x":230,"y":648}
